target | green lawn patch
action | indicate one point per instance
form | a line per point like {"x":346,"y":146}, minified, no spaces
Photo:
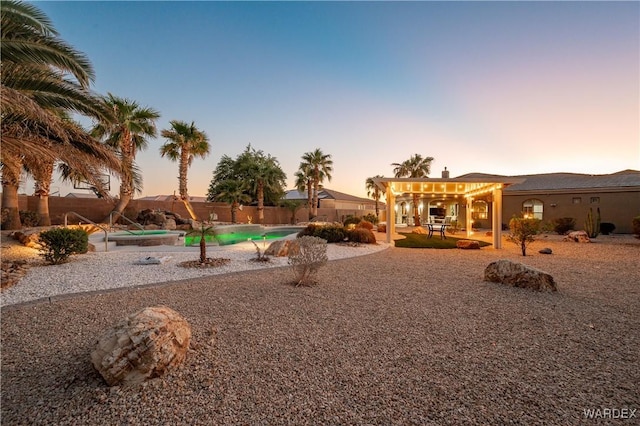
{"x":421,"y":241}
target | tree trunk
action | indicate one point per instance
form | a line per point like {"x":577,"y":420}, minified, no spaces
{"x":416,"y":212}
{"x":189,"y":207}
{"x":44,"y":219}
{"x":310,"y":199}
{"x":10,"y":205}
{"x":234,"y":209}
{"x":182,"y":177}
{"x":12,"y":166}
{"x":203,"y":249}
{"x":260,"y":195}
{"x":316,"y":183}
{"x":43,"y":173}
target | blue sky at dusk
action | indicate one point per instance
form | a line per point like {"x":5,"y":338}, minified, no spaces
{"x":496,"y":87}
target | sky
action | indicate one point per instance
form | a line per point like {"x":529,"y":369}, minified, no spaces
{"x":505,"y":88}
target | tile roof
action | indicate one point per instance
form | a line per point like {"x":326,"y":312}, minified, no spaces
{"x":560,"y":181}
{"x":326,"y":193}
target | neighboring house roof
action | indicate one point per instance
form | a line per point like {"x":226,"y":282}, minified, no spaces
{"x":81,"y":195}
{"x":567,"y":181}
{"x":326,"y":193}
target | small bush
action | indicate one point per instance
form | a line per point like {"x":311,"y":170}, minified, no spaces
{"x":635,"y":223}
{"x":29,"y":218}
{"x":370,"y":217}
{"x":351,"y":220}
{"x":306,"y":257}
{"x":523,"y":232}
{"x":310,"y":230}
{"x":607,"y":228}
{"x":60,"y":243}
{"x":361,"y":235}
{"x":331,"y":233}
{"x":365,"y":224}
{"x":562,"y":225}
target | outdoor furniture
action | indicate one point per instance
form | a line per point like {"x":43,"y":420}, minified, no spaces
{"x":440,"y":227}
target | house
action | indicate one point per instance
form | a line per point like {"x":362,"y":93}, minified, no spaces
{"x":335,"y":206}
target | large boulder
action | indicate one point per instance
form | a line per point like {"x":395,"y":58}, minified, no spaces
{"x":468,"y":245}
{"x":144,"y":345}
{"x":519,"y":275}
{"x":577,"y":236}
{"x":419,"y":230}
{"x":279,"y":248}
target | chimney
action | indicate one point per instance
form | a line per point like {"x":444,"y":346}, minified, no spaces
{"x":445,"y":173}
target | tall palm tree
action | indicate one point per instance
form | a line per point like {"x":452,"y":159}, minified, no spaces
{"x":304,"y":182}
{"x":414,"y":167}
{"x":231,"y":191}
{"x":374,"y":192}
{"x":126,"y":131}
{"x":41,"y":77}
{"x":264,"y":176}
{"x":186,"y":142}
{"x":321,"y":167}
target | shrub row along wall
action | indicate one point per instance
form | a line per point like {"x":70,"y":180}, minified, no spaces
{"x":96,"y":210}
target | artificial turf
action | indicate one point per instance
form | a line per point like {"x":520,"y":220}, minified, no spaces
{"x":421,"y":241}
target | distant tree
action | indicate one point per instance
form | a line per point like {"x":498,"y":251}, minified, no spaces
{"x":126,"y":131}
{"x":230,"y":191}
{"x":321,"y":166}
{"x":374,"y":192}
{"x":414,"y":167}
{"x":293,"y":206}
{"x":186,"y":142}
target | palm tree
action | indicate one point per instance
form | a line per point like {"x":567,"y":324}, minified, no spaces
{"x":231,"y":191}
{"x":374,"y":192}
{"x":186,"y":142}
{"x":304,"y":182}
{"x":126,"y":132}
{"x":264,"y":176}
{"x":414,"y":167}
{"x":36,"y":88}
{"x":321,"y":167}
{"x":203,"y":232}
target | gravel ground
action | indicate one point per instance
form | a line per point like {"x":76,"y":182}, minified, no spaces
{"x":401,"y":336}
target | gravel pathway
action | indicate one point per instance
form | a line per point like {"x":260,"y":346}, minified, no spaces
{"x":401,"y":336}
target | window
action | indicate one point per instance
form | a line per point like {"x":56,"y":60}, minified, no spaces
{"x":577,"y":200}
{"x":595,"y":200}
{"x":532,"y":209}
{"x":479,"y":210}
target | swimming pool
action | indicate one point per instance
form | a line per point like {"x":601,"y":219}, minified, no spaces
{"x":233,"y":234}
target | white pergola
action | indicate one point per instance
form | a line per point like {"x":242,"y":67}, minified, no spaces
{"x":462,"y":188}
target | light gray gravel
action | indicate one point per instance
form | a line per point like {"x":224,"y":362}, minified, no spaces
{"x":402,"y":336}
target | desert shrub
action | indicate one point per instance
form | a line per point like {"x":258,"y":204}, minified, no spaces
{"x":635,"y":223}
{"x":547,"y":227}
{"x":365,"y":224}
{"x":60,"y":243}
{"x":351,"y":220}
{"x":370,"y":217}
{"x":606,"y":228}
{"x":562,"y":225}
{"x":306,"y":257}
{"x":592,"y":223}
{"x":310,"y":230}
{"x":333,"y":233}
{"x":361,"y":235}
{"x":523,"y":232}
{"x":29,"y":218}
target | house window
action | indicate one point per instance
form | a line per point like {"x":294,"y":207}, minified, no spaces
{"x":577,"y":200}
{"x":479,"y":210}
{"x":595,"y":200}
{"x":532,"y":209}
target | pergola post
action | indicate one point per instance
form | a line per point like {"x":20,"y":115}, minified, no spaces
{"x":469,"y":217}
{"x":496,"y":213}
{"x":391,"y":215}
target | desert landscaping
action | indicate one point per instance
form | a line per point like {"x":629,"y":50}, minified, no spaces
{"x":399,"y":336}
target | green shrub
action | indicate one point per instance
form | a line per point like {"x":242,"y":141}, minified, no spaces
{"x":361,"y":235}
{"x":607,"y":228}
{"x":635,"y":223}
{"x":562,"y":225}
{"x":370,"y":217}
{"x":331,"y":233}
{"x":351,"y":220}
{"x":306,"y":257}
{"x":365,"y":224}
{"x":29,"y":218}
{"x":60,"y":243}
{"x":523,"y":232}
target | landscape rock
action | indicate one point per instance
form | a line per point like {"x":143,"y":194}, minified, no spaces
{"x":142,"y":346}
{"x":169,"y":224}
{"x":545,"y":250}
{"x":420,"y":230}
{"x":12,"y":271}
{"x":279,"y":248}
{"x":468,"y":245}
{"x":577,"y":236}
{"x":519,"y":275}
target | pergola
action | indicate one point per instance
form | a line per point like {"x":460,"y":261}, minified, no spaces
{"x":462,"y":188}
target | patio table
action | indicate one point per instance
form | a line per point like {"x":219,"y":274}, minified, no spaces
{"x":440,"y":227}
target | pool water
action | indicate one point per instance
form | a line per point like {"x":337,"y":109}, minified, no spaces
{"x":238,"y":237}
